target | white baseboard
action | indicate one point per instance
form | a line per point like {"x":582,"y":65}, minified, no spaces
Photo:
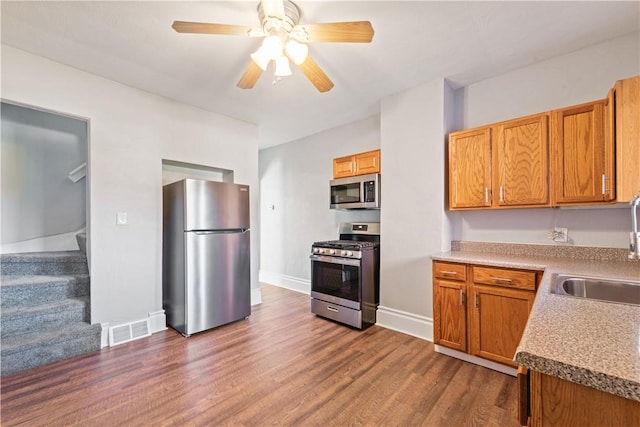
{"x":405,"y":322}
{"x":256,"y":296}
{"x":157,"y":321}
{"x":104,"y":335}
{"x":476,"y":360}
{"x":287,"y":282}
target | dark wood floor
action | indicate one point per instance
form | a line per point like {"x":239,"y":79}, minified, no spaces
{"x":282,"y":366}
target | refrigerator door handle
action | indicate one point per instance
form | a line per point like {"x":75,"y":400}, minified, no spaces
{"x":230,"y":231}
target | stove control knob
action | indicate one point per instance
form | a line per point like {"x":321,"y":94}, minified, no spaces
{"x":320,"y":250}
{"x":343,"y":253}
{"x":316,"y":250}
{"x":349,"y":253}
{"x":332,"y":252}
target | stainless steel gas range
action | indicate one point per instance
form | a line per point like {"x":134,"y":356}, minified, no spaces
{"x":345,"y":275}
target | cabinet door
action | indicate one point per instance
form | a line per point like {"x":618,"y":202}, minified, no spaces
{"x":449,"y":314}
{"x":343,"y":167}
{"x":521,"y":162}
{"x":498,"y":317}
{"x":368,"y":162}
{"x":627,"y":122}
{"x":583,"y":154}
{"x":470,"y":169}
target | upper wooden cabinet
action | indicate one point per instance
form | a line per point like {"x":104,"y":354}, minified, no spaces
{"x":470,"y":169}
{"x":627,"y":136}
{"x":582,"y":146}
{"x":521,"y":156}
{"x":587,"y":154}
{"x":502,"y":165}
{"x":357,"y":164}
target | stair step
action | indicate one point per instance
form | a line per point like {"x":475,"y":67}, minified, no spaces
{"x":51,"y":263}
{"x":27,"y":351}
{"x":51,"y":315}
{"x":24,"y":291}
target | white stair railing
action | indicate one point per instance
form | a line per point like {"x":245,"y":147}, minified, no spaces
{"x":78,"y":173}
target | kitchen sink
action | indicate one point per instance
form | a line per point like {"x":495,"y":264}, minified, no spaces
{"x":598,"y":288}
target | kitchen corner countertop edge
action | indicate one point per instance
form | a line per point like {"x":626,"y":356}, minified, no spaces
{"x":588,"y":342}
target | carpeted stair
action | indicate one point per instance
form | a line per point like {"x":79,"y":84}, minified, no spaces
{"x":44,"y":298}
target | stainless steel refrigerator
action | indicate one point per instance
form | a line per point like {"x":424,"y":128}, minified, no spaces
{"x":206,"y":275}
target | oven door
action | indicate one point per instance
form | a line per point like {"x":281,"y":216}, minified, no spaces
{"x":336,"y":280}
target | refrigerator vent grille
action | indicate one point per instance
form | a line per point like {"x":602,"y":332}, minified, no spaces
{"x":129,"y":332}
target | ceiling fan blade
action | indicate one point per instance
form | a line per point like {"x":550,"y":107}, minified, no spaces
{"x":206,"y":28}
{"x":315,"y":75}
{"x":250,"y":76}
{"x":350,"y":32}
{"x":273,"y":8}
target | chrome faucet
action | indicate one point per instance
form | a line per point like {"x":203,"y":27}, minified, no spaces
{"x":634,"y":236}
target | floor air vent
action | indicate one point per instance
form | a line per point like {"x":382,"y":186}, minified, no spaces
{"x":129,"y":332}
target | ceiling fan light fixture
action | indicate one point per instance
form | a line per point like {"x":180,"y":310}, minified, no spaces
{"x":272,"y":46}
{"x":261,"y":57}
{"x":296,"y":51}
{"x":282,"y":67}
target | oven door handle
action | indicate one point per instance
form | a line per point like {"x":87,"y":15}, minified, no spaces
{"x":335,"y":260}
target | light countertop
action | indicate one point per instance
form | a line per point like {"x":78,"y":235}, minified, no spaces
{"x":588,"y":342}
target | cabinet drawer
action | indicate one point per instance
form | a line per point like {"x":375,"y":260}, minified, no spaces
{"x":450,"y":271}
{"x":519,"y":279}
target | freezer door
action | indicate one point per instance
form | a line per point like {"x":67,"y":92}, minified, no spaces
{"x":218,"y":279}
{"x":213,"y":205}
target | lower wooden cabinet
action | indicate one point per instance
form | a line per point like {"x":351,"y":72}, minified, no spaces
{"x":498,"y":318}
{"x":451,"y":314}
{"x":548,"y":401}
{"x":481,"y":310}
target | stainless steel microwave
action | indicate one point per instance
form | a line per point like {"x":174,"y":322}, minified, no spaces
{"x":356,"y":192}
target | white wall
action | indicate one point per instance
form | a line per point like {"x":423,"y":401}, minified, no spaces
{"x":294,"y":199}
{"x":131,"y":132}
{"x":413,"y":221}
{"x":582,"y":76}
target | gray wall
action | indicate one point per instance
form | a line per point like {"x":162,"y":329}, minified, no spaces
{"x":39,"y":149}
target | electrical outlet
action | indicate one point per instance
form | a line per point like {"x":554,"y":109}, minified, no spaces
{"x":121,"y":218}
{"x":560,"y":234}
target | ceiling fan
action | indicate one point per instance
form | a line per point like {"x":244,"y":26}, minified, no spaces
{"x":284,"y":40}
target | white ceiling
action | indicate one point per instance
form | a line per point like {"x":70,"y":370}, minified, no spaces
{"x":132,"y":42}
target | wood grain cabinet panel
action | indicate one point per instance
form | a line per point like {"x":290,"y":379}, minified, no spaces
{"x":556,"y":402}
{"x":449,"y":314}
{"x":500,"y":166}
{"x":521,"y":156}
{"x":450,"y":325}
{"x":343,"y":167}
{"x":470,"y":169}
{"x":583,"y":167}
{"x":481,"y":310}
{"x":497,"y":323}
{"x":368,"y":162}
{"x":520,"y":279}
{"x":357,"y":164}
{"x":627,"y":135}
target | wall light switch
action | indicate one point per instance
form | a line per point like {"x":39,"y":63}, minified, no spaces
{"x":121,"y":218}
